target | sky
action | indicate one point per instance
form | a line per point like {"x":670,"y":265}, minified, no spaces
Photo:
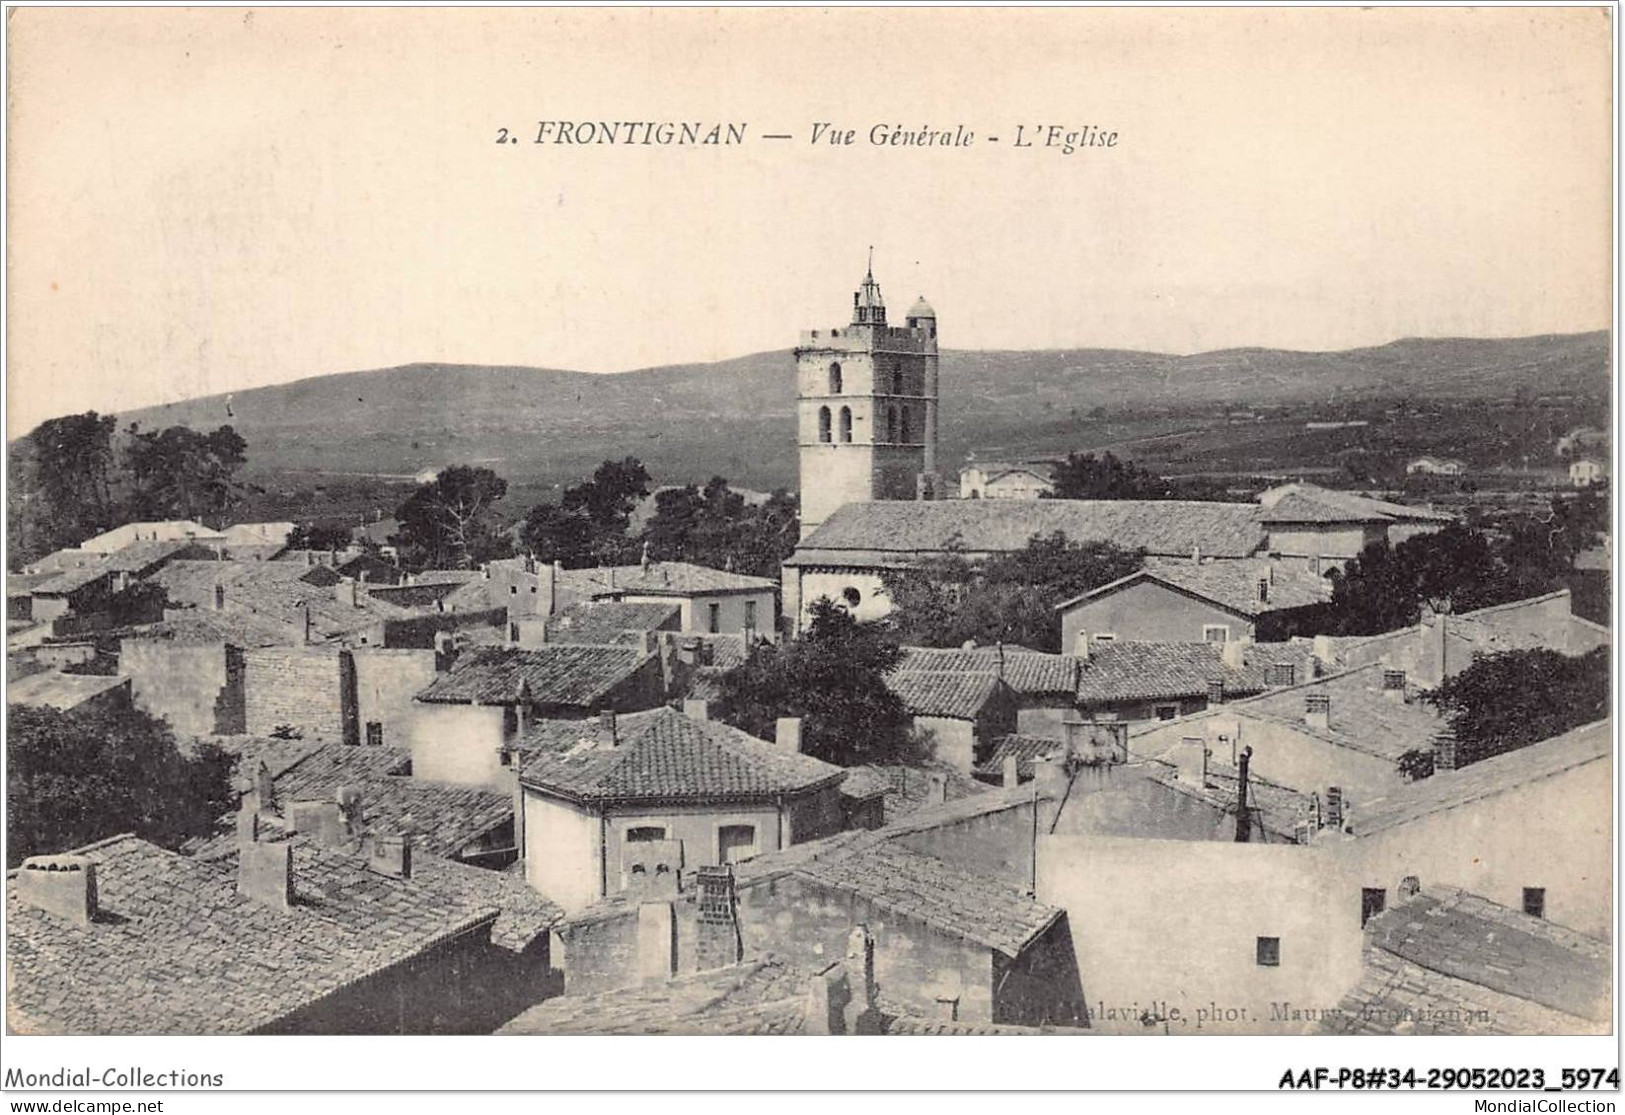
{"x":204,"y":201}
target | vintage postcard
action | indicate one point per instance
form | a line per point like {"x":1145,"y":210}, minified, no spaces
{"x":1021,"y":522}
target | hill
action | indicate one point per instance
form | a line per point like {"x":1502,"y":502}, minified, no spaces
{"x":543,"y":426}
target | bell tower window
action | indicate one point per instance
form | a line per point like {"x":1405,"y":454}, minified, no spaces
{"x":906,"y":438}
{"x":897,"y":382}
{"x":891,"y":424}
{"x":823,"y":424}
{"x":835,"y":379}
{"x":846,"y":423}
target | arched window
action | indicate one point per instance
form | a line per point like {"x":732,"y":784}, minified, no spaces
{"x":891,"y":424}
{"x":852,"y":597}
{"x":897,"y":382}
{"x":846,"y":423}
{"x":823,"y":423}
{"x":906,"y":438}
{"x":834,"y":379}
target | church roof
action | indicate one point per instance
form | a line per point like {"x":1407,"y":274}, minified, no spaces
{"x":922,"y":308}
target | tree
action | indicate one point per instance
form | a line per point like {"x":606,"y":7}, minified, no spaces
{"x":554,"y":534}
{"x":833,"y":678}
{"x":77,"y":777}
{"x":452,"y":522}
{"x":1509,"y":700}
{"x":180,"y":473}
{"x":321,"y":536}
{"x":61,"y":485}
{"x":609,"y":497}
{"x":1010,"y":598}
{"x":715,"y":526}
{"x":1086,"y":476}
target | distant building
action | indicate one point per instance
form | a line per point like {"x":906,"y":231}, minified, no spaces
{"x":1173,"y":600}
{"x":69,"y":692}
{"x":867,"y":408}
{"x":992,"y":480}
{"x":170,"y":531}
{"x":610,"y":804}
{"x":712,"y":601}
{"x":964,"y":711}
{"x":1435,"y":466}
{"x":1587,"y":471}
{"x":1328,"y":526}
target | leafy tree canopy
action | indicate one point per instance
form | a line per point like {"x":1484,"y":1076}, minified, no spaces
{"x":1509,"y":700}
{"x":452,"y":523}
{"x":1011,"y":598}
{"x":833,"y":677}
{"x":1085,"y":476}
{"x":82,"y":776}
{"x":715,"y":526}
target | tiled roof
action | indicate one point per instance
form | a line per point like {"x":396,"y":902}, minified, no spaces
{"x":1128,"y":671}
{"x":553,"y":675}
{"x":661,"y":578}
{"x":912,"y":884}
{"x":1234,"y":584}
{"x":276,"y":591}
{"x":72,"y":580}
{"x":23,"y":584}
{"x":1169,"y":527}
{"x":957,"y":696}
{"x":1362,"y":718}
{"x":1454,"y":788}
{"x":1447,"y":961}
{"x":1307,"y":503}
{"x":70,"y":557}
{"x":1026,"y":750}
{"x":526,"y":913}
{"x":1279,"y":808}
{"x":1030,"y":673}
{"x":663,"y":755}
{"x":442,"y":818}
{"x":414,"y":595}
{"x":907,"y":789}
{"x":60,"y":691}
{"x":610,"y":622}
{"x":177,"y":950}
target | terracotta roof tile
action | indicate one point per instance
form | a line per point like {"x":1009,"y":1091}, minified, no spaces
{"x":1030,"y":673}
{"x":554,"y":675}
{"x":610,"y":622}
{"x":957,"y":696}
{"x":1129,"y":671}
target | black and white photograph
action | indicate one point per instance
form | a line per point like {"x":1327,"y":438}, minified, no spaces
{"x":615,"y":523}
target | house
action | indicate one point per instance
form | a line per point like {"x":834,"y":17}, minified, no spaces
{"x":1355,"y":731}
{"x":845,"y":558}
{"x":257,"y":534}
{"x":1327,"y":526}
{"x":1129,"y":681}
{"x":964,"y":711}
{"x":1587,"y":471}
{"x":83,"y":590}
{"x":711,"y":601}
{"x":169,"y":531}
{"x":1581,"y":439}
{"x":1184,"y":601}
{"x":68,"y":692}
{"x":612,"y":622}
{"x":123,"y":937}
{"x":1044,"y":685}
{"x":1435,"y":466}
{"x":1444,"y":644}
{"x":953,"y":941}
{"x":992,"y":480}
{"x":466,"y":718}
{"x":607,"y":801}
{"x":1444,"y":961}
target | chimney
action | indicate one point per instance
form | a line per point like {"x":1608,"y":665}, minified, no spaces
{"x":445,"y":651}
{"x":1050,"y":775}
{"x":346,"y":593}
{"x":248,"y":821}
{"x":391,"y":855}
{"x":305,"y":636}
{"x":219,"y":597}
{"x":1281,"y":673}
{"x":1446,"y":751}
{"x":1080,"y":644}
{"x":1233,"y":653}
{"x":1409,"y":887}
{"x":1393,"y":684}
{"x":828,"y":996}
{"x":264,"y":788}
{"x":1011,"y":771}
{"x":862,"y":1015}
{"x":547,"y":584}
{"x":717,"y":943}
{"x":1264,"y":590}
{"x":787,"y":732}
{"x":1334,"y":807}
{"x":310,"y":557}
{"x":1196,"y":554}
{"x":1192,"y":759}
{"x":697,"y":709}
{"x":1317,"y":710}
{"x":1323,"y":649}
{"x":1244,"y":818}
{"x":265,"y":873}
{"x":657,"y":942}
{"x":1215,"y":691}
{"x":606,"y":724}
{"x":938,"y":792}
{"x":61,"y":885}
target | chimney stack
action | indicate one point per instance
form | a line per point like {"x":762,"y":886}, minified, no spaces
{"x":1244,"y":819}
{"x":1334,"y":807}
{"x":265,"y":873}
{"x":717,"y":943}
{"x":1409,"y":887}
{"x":547,"y":585}
{"x":391,"y":855}
{"x":1233,"y":653}
{"x":264,"y":788}
{"x":1446,"y":752}
{"x":304,"y":622}
{"x":1393,"y":685}
{"x":1215,"y":691}
{"x":346,"y":593}
{"x":1192,"y":760}
{"x":828,"y":995}
{"x":938,"y":783}
{"x":787,"y":732}
{"x":657,"y":942}
{"x":697,"y":709}
{"x":1011,"y":771}
{"x":1318,"y":711}
{"x":219,"y":597}
{"x":862,"y":1016}
{"x":445,"y":651}
{"x":606,"y":724}
{"x":61,"y":885}
{"x":1080,"y":644}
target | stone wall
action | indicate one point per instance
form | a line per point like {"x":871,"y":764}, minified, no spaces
{"x":301,"y":687}
{"x":386,"y":682}
{"x":196,"y":687}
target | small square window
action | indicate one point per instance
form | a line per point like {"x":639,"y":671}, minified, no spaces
{"x":1103,"y":637}
{"x":1373,"y":901}
{"x":1215,"y":633}
{"x":375,"y":734}
{"x":1167,"y":712}
{"x":1534,"y":901}
{"x":643,"y":834}
{"x":1269,"y":952}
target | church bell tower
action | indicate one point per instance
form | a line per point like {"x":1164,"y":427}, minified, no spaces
{"x":867,"y":408}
